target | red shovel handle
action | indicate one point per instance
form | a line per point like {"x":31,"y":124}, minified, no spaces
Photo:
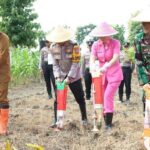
{"x":61,"y":99}
{"x":98,"y":90}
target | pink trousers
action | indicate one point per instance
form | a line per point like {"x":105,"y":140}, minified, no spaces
{"x":110,"y":90}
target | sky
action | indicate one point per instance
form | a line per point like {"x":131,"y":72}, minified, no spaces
{"x":81,"y":12}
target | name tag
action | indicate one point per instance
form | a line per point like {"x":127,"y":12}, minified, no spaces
{"x":50,"y":59}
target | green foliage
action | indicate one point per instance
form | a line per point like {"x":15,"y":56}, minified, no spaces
{"x":134,"y":28}
{"x":18,"y":21}
{"x":120,"y":35}
{"x":24,"y":65}
{"x":83,"y":31}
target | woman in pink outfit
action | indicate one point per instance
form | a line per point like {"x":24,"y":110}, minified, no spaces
{"x":107,"y":51}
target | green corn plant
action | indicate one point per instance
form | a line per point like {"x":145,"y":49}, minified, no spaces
{"x":24,"y":64}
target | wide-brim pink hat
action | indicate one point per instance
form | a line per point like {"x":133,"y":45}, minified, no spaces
{"x":103,"y":30}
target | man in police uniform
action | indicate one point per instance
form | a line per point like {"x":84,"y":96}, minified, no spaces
{"x":4,"y":80}
{"x":66,"y":56}
{"x":86,"y":68}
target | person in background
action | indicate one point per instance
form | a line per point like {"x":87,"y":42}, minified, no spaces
{"x":142,"y":56}
{"x":127,"y":63}
{"x":67,"y":67}
{"x":46,"y":67}
{"x":142,"y":50}
{"x":107,"y":50}
{"x":86,"y":69}
{"x":4,"y":81}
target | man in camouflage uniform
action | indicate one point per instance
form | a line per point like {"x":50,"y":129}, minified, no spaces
{"x":142,"y":50}
{"x":66,"y":56}
{"x":4,"y":80}
{"x":142,"y":55}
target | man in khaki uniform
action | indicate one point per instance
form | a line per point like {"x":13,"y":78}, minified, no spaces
{"x":66,"y":56}
{"x":4,"y":80}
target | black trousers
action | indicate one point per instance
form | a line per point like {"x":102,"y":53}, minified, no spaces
{"x":144,"y":101}
{"x":88,"y":82}
{"x":49,"y":77}
{"x":127,"y":75}
{"x":77,"y":90}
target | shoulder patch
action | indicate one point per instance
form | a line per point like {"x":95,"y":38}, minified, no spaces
{"x":76,"y":54}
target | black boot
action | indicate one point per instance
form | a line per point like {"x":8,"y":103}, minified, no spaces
{"x":108,"y":120}
{"x":121,"y":98}
{"x":50,"y":96}
{"x":104,"y":118}
{"x":83,"y":112}
{"x":128,"y":97}
{"x":53,"y":125}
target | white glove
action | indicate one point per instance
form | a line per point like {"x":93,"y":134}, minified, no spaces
{"x":105,"y":67}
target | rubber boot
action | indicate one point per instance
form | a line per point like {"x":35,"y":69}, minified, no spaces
{"x":4,"y":114}
{"x":83,"y":113}
{"x":53,"y":125}
{"x":108,"y":120}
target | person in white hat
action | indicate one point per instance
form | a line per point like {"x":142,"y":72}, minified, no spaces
{"x":66,"y":56}
{"x":107,"y":50}
{"x":142,"y":56}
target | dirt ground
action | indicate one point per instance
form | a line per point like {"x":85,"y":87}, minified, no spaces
{"x":31,"y":115}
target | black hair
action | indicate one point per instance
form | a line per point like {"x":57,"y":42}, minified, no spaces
{"x":89,"y":43}
{"x":127,"y":44}
{"x":42,"y":44}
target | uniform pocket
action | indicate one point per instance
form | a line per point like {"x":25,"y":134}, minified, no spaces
{"x":101,"y":56}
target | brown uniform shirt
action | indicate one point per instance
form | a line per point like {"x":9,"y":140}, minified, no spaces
{"x":4,"y":58}
{"x":66,"y":61}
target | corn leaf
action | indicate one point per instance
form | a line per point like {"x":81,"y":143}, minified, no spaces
{"x":35,"y":146}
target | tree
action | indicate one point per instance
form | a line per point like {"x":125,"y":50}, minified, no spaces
{"x":120,"y":35}
{"x":18,"y":21}
{"x":134,"y":28}
{"x":83,"y":31}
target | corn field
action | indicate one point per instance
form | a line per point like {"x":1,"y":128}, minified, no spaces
{"x":24,"y":65}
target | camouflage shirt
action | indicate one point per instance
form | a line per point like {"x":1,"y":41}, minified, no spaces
{"x":142,"y":56}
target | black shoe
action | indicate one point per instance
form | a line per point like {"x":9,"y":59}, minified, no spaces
{"x":88,"y":98}
{"x":109,"y":127}
{"x":121,"y":100}
{"x":127,"y":98}
{"x":85,"y":122}
{"x":50,"y":96}
{"x":53,"y":125}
